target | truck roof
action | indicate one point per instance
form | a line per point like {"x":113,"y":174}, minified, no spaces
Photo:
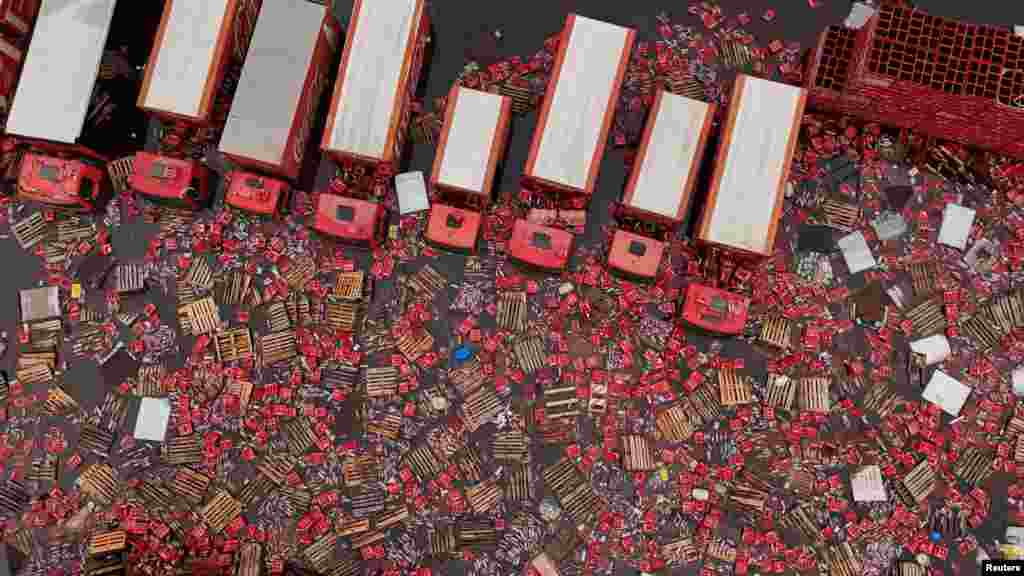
{"x":60,"y":69}
{"x":180,"y":73}
{"x":273,"y":78}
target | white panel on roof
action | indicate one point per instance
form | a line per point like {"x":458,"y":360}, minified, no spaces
{"x":467,"y":151}
{"x":183,"y":60}
{"x":669,"y":157}
{"x":272,"y":80}
{"x":756,"y":159}
{"x":60,"y":69}
{"x":370,"y":80}
{"x":582,"y":95}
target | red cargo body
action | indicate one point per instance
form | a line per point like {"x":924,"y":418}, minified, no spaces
{"x":274,"y":107}
{"x":195,"y":43}
{"x":715,"y":310}
{"x":350,"y":219}
{"x":72,"y":184}
{"x":575,"y":116}
{"x":661,"y":183}
{"x":473,"y":140}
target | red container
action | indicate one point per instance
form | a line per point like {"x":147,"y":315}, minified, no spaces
{"x":635,"y":255}
{"x":473,"y":140}
{"x":172,"y":181}
{"x":73,"y":184}
{"x":257,"y":194}
{"x":349,"y":219}
{"x":941,"y":77}
{"x":715,"y":310}
{"x":542,"y":247}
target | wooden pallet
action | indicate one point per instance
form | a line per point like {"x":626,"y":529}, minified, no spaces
{"x":221,"y":511}
{"x":387,"y":425}
{"x":107,"y":542}
{"x":512,"y":311}
{"x":381,"y":382}
{"x":299,"y":309}
{"x":442,"y":540}
{"x":341,"y":315}
{"x":44,"y":469}
{"x":681,"y":550}
{"x":199,"y":274}
{"x":776,"y":332}
{"x":917,"y":485}
{"x":840,"y":215}
{"x":59,"y":403}
{"x":95,"y":439}
{"x":802,"y":520}
{"x":974,"y":465}
{"x":203,"y":316}
{"x":74,"y":230}
{"x":597,"y":404}
{"x":674,"y":424}
{"x":341,"y":377}
{"x":348,"y":526}
{"x":300,"y":435}
{"x":276,"y":467}
{"x":923,"y":277}
{"x":119,"y":171}
{"x":255,"y":488}
{"x":277,"y":317}
{"x":414,"y":344}
{"x":278,"y":347}
{"x":320,"y":554}
{"x":423,"y":463}
{"x":638,"y":454}
{"x":780,"y":392}
{"x":477,"y":534}
{"x":843,"y":560}
{"x":531,"y":354}
{"x":881,"y":399}
{"x":183,"y":450}
{"x":34,"y":376}
{"x":814,"y":395}
{"x":480,"y":407}
{"x":484,"y":497}
{"x":190,"y":485}
{"x":130,"y":278}
{"x":470,"y":467}
{"x":29,"y":231}
{"x":510,"y":445}
{"x":468,"y":377}
{"x":427,"y":281}
{"x":733,"y":388}
{"x":517,"y":489}
{"x":349,"y":285}
{"x":705,"y":405}
{"x":234,"y":345}
{"x":99,"y":483}
{"x":561,"y":402}
{"x":299,"y":500}
{"x":234,"y":288}
{"x":927,"y":318}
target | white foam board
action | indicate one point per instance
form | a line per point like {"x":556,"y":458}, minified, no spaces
{"x":154,"y":415}
{"x":273,"y":77}
{"x":370,"y":80}
{"x":867,"y":485}
{"x":935,"y":348}
{"x":182,"y":64}
{"x":583,"y":92}
{"x":956,"y":226}
{"x":856,"y":253}
{"x":60,"y":69}
{"x":946,"y":392}
{"x":670,"y":157}
{"x":474,"y":126}
{"x":412,"y":192}
{"x":755,"y":161}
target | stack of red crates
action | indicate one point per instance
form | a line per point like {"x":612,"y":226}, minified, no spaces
{"x":942,"y":77}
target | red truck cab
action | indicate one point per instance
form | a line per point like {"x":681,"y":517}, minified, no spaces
{"x":349,"y":219}
{"x":257,"y":194}
{"x":635,"y":255}
{"x":174,"y":181}
{"x":715,"y":310}
{"x":454,"y":228}
{"x":67,"y":183}
{"x":539,"y":246}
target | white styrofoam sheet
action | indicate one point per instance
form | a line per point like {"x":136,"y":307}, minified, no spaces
{"x":668,"y":160}
{"x":956,"y":226}
{"x":582,"y":96}
{"x":867,"y":485}
{"x":474,"y":125}
{"x":934,"y":348}
{"x":755,"y":161}
{"x":411,"y":189}
{"x":151,"y":423}
{"x":946,"y":392}
{"x":272,"y":80}
{"x":60,"y":69}
{"x":370,"y":80}
{"x":856,"y":252}
{"x":183,"y":60}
